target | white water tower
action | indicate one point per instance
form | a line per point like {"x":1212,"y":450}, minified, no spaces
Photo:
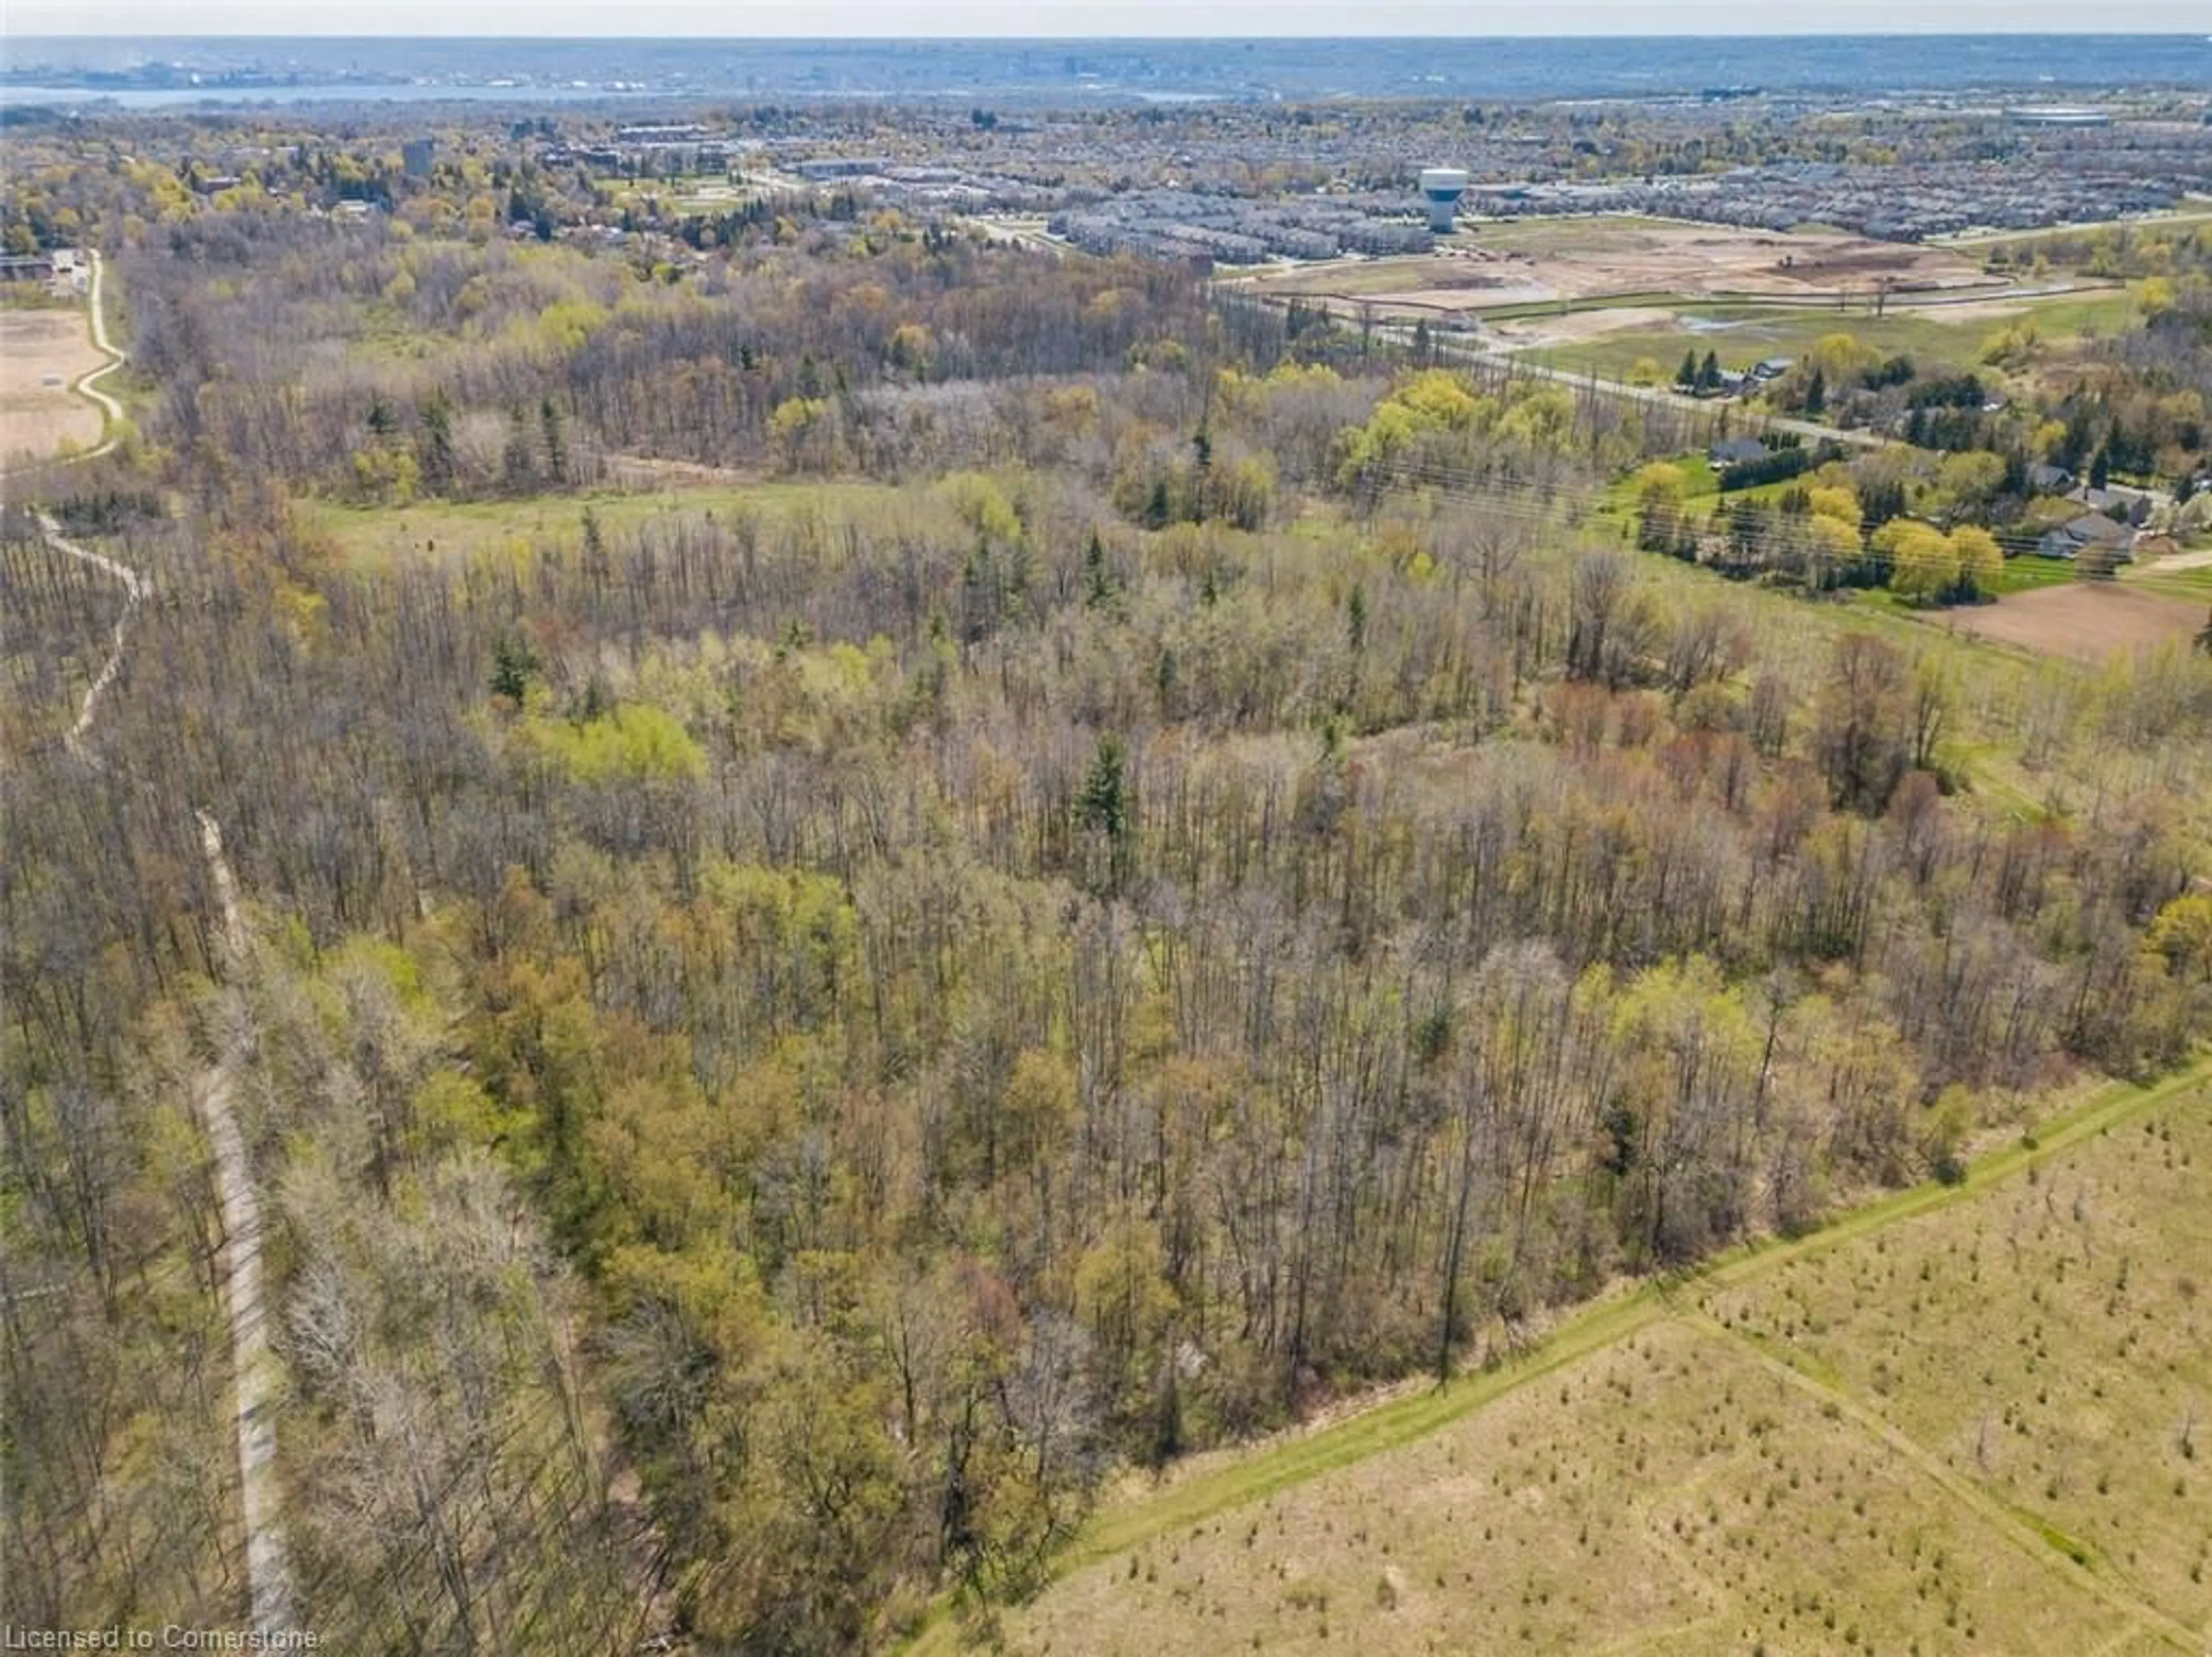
{"x":1444,"y":187}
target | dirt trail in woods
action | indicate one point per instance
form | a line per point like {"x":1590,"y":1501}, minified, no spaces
{"x":135,"y":591}
{"x":257,"y":1377}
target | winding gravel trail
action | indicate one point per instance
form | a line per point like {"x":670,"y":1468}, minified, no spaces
{"x":257,"y":1377}
{"x":134,"y":587}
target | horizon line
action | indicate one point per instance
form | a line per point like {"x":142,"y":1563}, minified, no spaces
{"x":786,"y":36}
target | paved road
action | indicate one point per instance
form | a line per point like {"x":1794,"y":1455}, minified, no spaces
{"x":1496,"y":356}
{"x":1455,"y":347}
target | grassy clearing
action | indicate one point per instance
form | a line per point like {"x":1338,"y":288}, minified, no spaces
{"x":688,"y":193}
{"x":1668,"y":1494}
{"x":1976,"y":241}
{"x":2026,"y":573}
{"x":1564,"y":234}
{"x":373,"y":538}
{"x":45,"y":354}
{"x":2194,"y":586}
{"x":1627,"y":1473}
{"x":1741,"y":335}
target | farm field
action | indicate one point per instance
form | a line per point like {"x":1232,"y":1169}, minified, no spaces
{"x":1560,"y":261}
{"x":42,"y":353}
{"x":1979,"y":1429}
{"x":2087,"y":621}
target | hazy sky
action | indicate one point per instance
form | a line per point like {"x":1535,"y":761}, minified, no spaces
{"x":1098,"y":17}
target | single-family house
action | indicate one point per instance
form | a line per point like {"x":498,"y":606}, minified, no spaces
{"x":2092,"y":531}
{"x":1735,"y":452}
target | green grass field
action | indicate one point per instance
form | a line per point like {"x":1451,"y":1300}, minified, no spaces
{"x":2194,"y":586}
{"x":1975,"y":242}
{"x":1740,"y":335}
{"x":2027,"y":572}
{"x":1960,"y":1419}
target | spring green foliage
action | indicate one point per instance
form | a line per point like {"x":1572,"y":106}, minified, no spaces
{"x":636,"y":743}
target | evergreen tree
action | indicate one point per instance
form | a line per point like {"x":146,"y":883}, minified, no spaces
{"x":555,"y":443}
{"x":1099,"y":589}
{"x":513,"y":664}
{"x":1102,"y":806}
{"x":434,"y":443}
{"x":1105,"y":813}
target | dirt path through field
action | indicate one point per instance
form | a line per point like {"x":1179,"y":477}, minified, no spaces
{"x":135,"y":590}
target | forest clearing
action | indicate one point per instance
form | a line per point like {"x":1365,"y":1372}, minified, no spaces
{"x":42,"y":355}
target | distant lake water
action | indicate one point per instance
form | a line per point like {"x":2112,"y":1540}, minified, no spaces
{"x":1040,"y":72}
{"x":183,"y":99}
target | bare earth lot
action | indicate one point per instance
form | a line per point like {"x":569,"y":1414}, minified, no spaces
{"x":2088,"y":623}
{"x":1550,"y":261}
{"x":41,"y":353}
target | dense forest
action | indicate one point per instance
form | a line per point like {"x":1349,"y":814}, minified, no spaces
{"x":1035,"y":872}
